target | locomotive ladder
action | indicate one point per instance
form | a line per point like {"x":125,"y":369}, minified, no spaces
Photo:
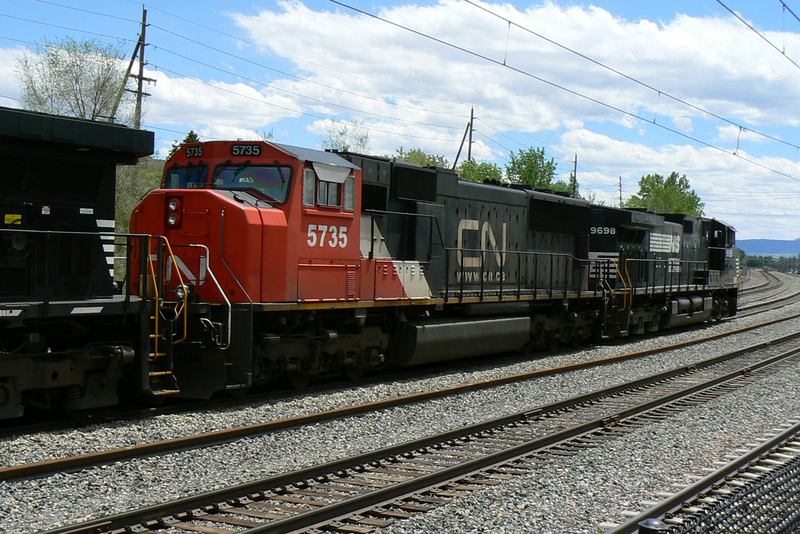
{"x":162,"y":320}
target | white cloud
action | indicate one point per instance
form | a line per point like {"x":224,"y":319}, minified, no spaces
{"x":9,"y":88}
{"x":733,"y":189}
{"x":177,"y":100}
{"x":417,"y":93}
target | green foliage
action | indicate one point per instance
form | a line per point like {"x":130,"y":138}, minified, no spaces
{"x":346,"y":136}
{"x":133,"y":183}
{"x":666,"y":195}
{"x":562,"y":186}
{"x":191,"y":137}
{"x":592,"y":198}
{"x":530,"y":167}
{"x":416,"y":155}
{"x":77,"y":78}
{"x":478,"y":172}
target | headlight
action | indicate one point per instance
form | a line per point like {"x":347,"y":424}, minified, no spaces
{"x":181,"y":292}
{"x":174,"y":209}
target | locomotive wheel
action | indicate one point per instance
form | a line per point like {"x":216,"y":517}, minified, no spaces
{"x":353,"y":373}
{"x":297,"y":379}
{"x":237,"y":393}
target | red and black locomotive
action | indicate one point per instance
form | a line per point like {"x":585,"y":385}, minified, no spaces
{"x":329,"y":262}
{"x":257,"y":261}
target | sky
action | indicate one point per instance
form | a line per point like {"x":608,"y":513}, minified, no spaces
{"x":629,"y":88}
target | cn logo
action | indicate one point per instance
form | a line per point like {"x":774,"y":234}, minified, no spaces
{"x":468,"y":232}
{"x":188,"y":275}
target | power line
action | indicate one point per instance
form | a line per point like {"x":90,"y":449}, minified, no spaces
{"x":300,"y":95}
{"x":302,"y":78}
{"x":87,"y":11}
{"x":67,"y":28}
{"x":298,"y":112}
{"x":561,"y":87}
{"x":18,"y":40}
{"x":781,"y":52}
{"x":261,"y":65}
{"x":301,"y":60}
{"x":628,"y":77}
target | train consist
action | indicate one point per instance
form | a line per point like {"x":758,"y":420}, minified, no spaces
{"x":257,"y":261}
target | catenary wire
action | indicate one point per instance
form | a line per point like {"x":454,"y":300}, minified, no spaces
{"x":255,"y":63}
{"x":628,"y":77}
{"x":302,"y":78}
{"x":561,"y":87}
{"x":301,"y":60}
{"x":781,"y":52}
{"x":255,"y":81}
{"x":303,"y":113}
{"x":787,"y":8}
{"x":300,"y":95}
{"x":272,"y":69}
{"x":23,"y":19}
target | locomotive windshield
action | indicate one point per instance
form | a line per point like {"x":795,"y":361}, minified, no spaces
{"x":188,"y":177}
{"x":271,"y":181}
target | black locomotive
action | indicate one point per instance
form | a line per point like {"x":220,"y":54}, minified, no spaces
{"x":66,"y":337}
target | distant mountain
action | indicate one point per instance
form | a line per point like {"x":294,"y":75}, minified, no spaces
{"x":767,"y":247}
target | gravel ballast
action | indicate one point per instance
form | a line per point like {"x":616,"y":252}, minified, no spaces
{"x":551,"y":501}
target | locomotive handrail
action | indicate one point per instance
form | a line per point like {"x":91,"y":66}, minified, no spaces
{"x":180,"y":308}
{"x":222,"y":346}
{"x":48,"y":267}
{"x":519,"y":254}
{"x":552,"y":256}
{"x":667,"y":262}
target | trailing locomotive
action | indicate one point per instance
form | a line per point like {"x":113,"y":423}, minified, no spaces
{"x":68,"y":338}
{"x":297,"y":263}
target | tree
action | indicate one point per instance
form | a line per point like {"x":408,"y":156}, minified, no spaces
{"x":69,"y":77}
{"x":346,"y":136}
{"x":529,"y":167}
{"x":191,"y":137}
{"x":666,"y":195}
{"x":418,"y":156}
{"x":133,"y":183}
{"x":478,"y":172}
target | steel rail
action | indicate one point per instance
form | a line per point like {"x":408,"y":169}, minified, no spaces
{"x":362,"y":503}
{"x":185,"y":508}
{"x":770,"y":281}
{"x":774,"y":304}
{"x":685,"y":495}
{"x":58,"y":465}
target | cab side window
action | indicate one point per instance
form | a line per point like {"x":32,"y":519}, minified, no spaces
{"x":329,"y":186}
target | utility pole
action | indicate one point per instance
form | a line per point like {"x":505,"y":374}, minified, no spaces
{"x":140,"y":94}
{"x":575,"y":177}
{"x":620,"y":191}
{"x":471,"y":119}
{"x":461,"y":146}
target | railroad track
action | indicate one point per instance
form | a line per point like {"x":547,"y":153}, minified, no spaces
{"x":73,"y":463}
{"x":367,"y":491}
{"x":771,"y":281}
{"x":756,"y":489}
{"x":78,"y":419}
{"x":773,"y":304}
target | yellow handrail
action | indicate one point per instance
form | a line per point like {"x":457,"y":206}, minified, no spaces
{"x":180,"y":306}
